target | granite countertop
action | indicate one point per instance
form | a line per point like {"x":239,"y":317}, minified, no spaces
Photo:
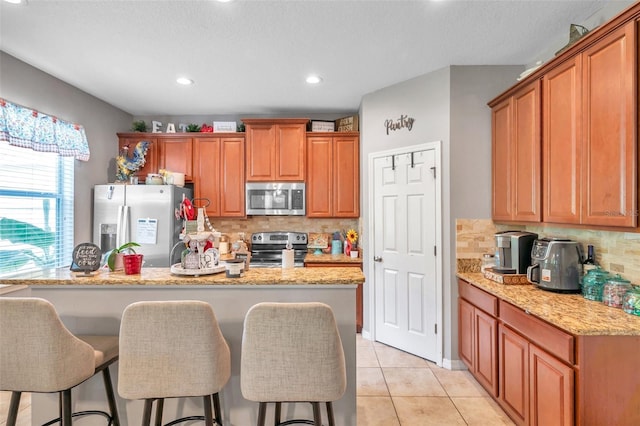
{"x":163,"y":276}
{"x":330,"y":258}
{"x":570,"y":312}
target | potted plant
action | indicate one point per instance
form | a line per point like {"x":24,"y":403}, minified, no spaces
{"x":193,"y":128}
{"x":115,"y":259}
{"x":139,"y":126}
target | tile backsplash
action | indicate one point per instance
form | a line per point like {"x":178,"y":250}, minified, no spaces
{"x":617,"y":252}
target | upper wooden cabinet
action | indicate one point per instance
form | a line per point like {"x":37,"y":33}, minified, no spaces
{"x":175,"y":155}
{"x":587,"y":157}
{"x":333,"y":178}
{"x":130,"y":140}
{"x":589,"y":143}
{"x":516,"y":156}
{"x":219,"y":174}
{"x":276,"y":149}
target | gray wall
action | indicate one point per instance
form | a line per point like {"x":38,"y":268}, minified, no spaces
{"x":28,"y":86}
{"x":449,"y":105}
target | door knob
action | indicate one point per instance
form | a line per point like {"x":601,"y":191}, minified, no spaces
{"x":377,"y":259}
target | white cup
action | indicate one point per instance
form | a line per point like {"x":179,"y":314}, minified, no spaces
{"x":354,"y":254}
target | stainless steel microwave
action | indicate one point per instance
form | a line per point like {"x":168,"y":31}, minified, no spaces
{"x":276,"y":198}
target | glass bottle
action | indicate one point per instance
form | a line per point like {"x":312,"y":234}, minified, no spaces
{"x":590,"y":262}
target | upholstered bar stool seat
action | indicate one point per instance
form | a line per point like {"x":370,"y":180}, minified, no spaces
{"x":173,"y":349}
{"x":39,"y":354}
{"x":292,"y":352}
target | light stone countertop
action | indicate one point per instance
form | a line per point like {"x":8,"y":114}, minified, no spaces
{"x":330,"y":258}
{"x":163,"y":276}
{"x":570,"y":312}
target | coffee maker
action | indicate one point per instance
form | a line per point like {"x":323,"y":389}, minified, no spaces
{"x":557,"y":265}
{"x":513,"y":251}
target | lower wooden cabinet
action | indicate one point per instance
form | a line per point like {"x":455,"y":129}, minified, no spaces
{"x":545,"y":375}
{"x":477,"y":341}
{"x":359,"y":314}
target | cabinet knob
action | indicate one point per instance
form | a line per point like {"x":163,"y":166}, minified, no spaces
{"x":377,"y":259}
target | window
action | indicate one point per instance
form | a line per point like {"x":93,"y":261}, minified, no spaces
{"x":36,"y":210}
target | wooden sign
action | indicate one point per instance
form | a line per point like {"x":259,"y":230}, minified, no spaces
{"x":86,"y":258}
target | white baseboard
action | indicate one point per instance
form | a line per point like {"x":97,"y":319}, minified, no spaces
{"x":453,"y":364}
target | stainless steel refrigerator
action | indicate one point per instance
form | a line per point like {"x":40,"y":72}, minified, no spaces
{"x":144,"y":214}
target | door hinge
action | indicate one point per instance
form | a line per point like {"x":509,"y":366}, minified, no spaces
{"x":433,"y":169}
{"x":435,"y":328}
{"x":435,"y":250}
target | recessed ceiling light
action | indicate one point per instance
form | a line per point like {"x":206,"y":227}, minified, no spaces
{"x":16,"y":1}
{"x":225,"y":1}
{"x":184,"y":81}
{"x":314,"y":79}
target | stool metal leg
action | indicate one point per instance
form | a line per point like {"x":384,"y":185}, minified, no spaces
{"x":159,"y":411}
{"x":108,"y":386}
{"x":317,"y":416}
{"x":13,"y":408}
{"x":216,"y":408}
{"x":277,"y":413}
{"x":66,"y":407}
{"x":146,"y":415}
{"x":262,"y":412}
{"x":332,"y":421}
{"x":208,"y":414}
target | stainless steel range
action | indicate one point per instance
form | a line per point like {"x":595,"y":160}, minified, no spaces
{"x":266,"y":248}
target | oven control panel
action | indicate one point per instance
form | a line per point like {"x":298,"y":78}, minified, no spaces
{"x":282,"y":238}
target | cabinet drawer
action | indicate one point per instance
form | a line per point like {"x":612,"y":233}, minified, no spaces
{"x":555,"y":341}
{"x":477,"y":297}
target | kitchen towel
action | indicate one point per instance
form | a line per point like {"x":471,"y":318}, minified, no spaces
{"x":287,"y":258}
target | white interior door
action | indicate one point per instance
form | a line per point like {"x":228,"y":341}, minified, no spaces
{"x":406,"y":228}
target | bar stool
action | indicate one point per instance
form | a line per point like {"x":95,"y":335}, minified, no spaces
{"x":173,"y":349}
{"x":292,"y":352}
{"x":39,"y":354}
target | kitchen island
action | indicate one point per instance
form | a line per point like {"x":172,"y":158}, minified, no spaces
{"x":94,"y":305}
{"x":550,"y":358}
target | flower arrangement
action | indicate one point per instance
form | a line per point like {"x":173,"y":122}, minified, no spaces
{"x":352,"y":236}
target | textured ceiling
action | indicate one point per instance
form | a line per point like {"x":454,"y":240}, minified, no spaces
{"x":251,"y":57}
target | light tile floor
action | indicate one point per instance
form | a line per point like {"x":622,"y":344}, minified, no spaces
{"x":399,"y":389}
{"x":393,"y":389}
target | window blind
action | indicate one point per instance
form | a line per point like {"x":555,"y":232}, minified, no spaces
{"x":36,"y":210}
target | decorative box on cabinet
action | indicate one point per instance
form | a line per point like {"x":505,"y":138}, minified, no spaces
{"x":219,"y":174}
{"x":359,"y":314}
{"x":276,"y":149}
{"x":516,"y":156}
{"x":333,"y":178}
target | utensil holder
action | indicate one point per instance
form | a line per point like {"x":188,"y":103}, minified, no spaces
{"x":132,"y":263}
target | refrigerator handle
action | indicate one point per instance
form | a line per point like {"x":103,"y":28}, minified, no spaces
{"x":120,"y":227}
{"x":125,"y":225}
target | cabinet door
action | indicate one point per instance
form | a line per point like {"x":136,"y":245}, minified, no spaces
{"x":552,"y":396}
{"x":346,"y":177}
{"x":501,"y":122}
{"x":526,"y":154}
{"x":513,"y":374}
{"x":319,"y":176}
{"x":176,"y":155}
{"x":609,"y":117}
{"x":466,"y":333}
{"x":206,"y":163}
{"x":151,"y":158}
{"x":232,"y":182}
{"x":561,"y":146}
{"x":290,"y":152}
{"x":261,"y":152}
{"x":485,"y":350}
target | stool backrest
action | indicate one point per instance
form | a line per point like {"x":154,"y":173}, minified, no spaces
{"x":37,"y":352}
{"x":171,"y":349}
{"x":292,"y":352}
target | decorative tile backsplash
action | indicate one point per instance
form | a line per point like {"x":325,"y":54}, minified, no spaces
{"x":617,"y":252}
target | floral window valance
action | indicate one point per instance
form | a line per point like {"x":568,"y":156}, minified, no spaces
{"x":28,"y":128}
